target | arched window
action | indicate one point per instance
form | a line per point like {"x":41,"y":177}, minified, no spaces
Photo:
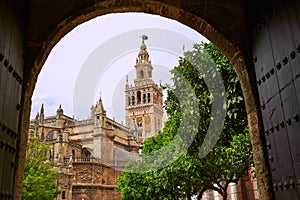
{"x":149,"y":97}
{"x":139,"y":97}
{"x":73,"y":153}
{"x":50,"y":136}
{"x":144,"y":98}
{"x":141,"y":75}
{"x":63,"y":195}
{"x":129,"y":101}
{"x":86,"y":154}
{"x":132,"y":100}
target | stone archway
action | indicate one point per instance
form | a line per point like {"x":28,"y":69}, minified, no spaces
{"x":238,"y":54}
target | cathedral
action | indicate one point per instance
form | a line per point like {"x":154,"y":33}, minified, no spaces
{"x":89,"y":154}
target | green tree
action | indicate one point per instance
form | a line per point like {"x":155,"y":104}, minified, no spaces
{"x":188,"y":175}
{"x":39,"y":181}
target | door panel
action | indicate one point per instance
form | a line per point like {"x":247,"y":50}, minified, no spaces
{"x":276,"y":45}
{"x":11,"y":72}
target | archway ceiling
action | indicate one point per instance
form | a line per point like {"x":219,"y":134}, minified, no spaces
{"x":228,"y":17}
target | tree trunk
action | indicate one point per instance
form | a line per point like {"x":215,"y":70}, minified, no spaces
{"x":225,"y":195}
{"x":200,"y":194}
{"x":225,"y":190}
{"x":188,"y":194}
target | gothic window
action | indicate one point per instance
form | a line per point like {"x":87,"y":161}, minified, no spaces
{"x":132,"y":100}
{"x":50,"y":136}
{"x":139,"y":97}
{"x":141,"y":75}
{"x":103,"y":121}
{"x":63,"y":195}
{"x":129,"y":101}
{"x":144,"y":98}
{"x":149,"y":97}
{"x":73,"y":153}
{"x":85,"y":153}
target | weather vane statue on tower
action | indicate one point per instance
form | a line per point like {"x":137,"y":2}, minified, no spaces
{"x":144,"y":37}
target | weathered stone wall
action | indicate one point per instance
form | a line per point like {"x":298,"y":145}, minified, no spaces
{"x":65,"y":182}
{"x":94,"y":181}
{"x":89,"y":193}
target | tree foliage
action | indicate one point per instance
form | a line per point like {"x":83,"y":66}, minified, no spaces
{"x":188,"y":175}
{"x":39,"y":181}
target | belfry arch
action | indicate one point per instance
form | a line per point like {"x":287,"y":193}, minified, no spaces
{"x":244,"y":31}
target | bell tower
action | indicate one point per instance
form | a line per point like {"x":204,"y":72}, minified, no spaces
{"x":143,"y":99}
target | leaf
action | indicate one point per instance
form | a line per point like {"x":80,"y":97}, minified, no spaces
{"x":188,"y":175}
{"x":39,"y":179}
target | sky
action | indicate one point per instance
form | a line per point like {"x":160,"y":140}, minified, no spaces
{"x":94,"y":59}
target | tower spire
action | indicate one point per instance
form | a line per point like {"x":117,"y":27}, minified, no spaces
{"x":59,"y":111}
{"x":144,"y":97}
{"x":126,"y":83}
{"x":42,"y":115}
{"x":143,"y":56}
{"x":42,"y":108}
{"x":100,"y":107}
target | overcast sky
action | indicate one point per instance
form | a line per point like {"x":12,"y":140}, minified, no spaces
{"x":95,"y":57}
